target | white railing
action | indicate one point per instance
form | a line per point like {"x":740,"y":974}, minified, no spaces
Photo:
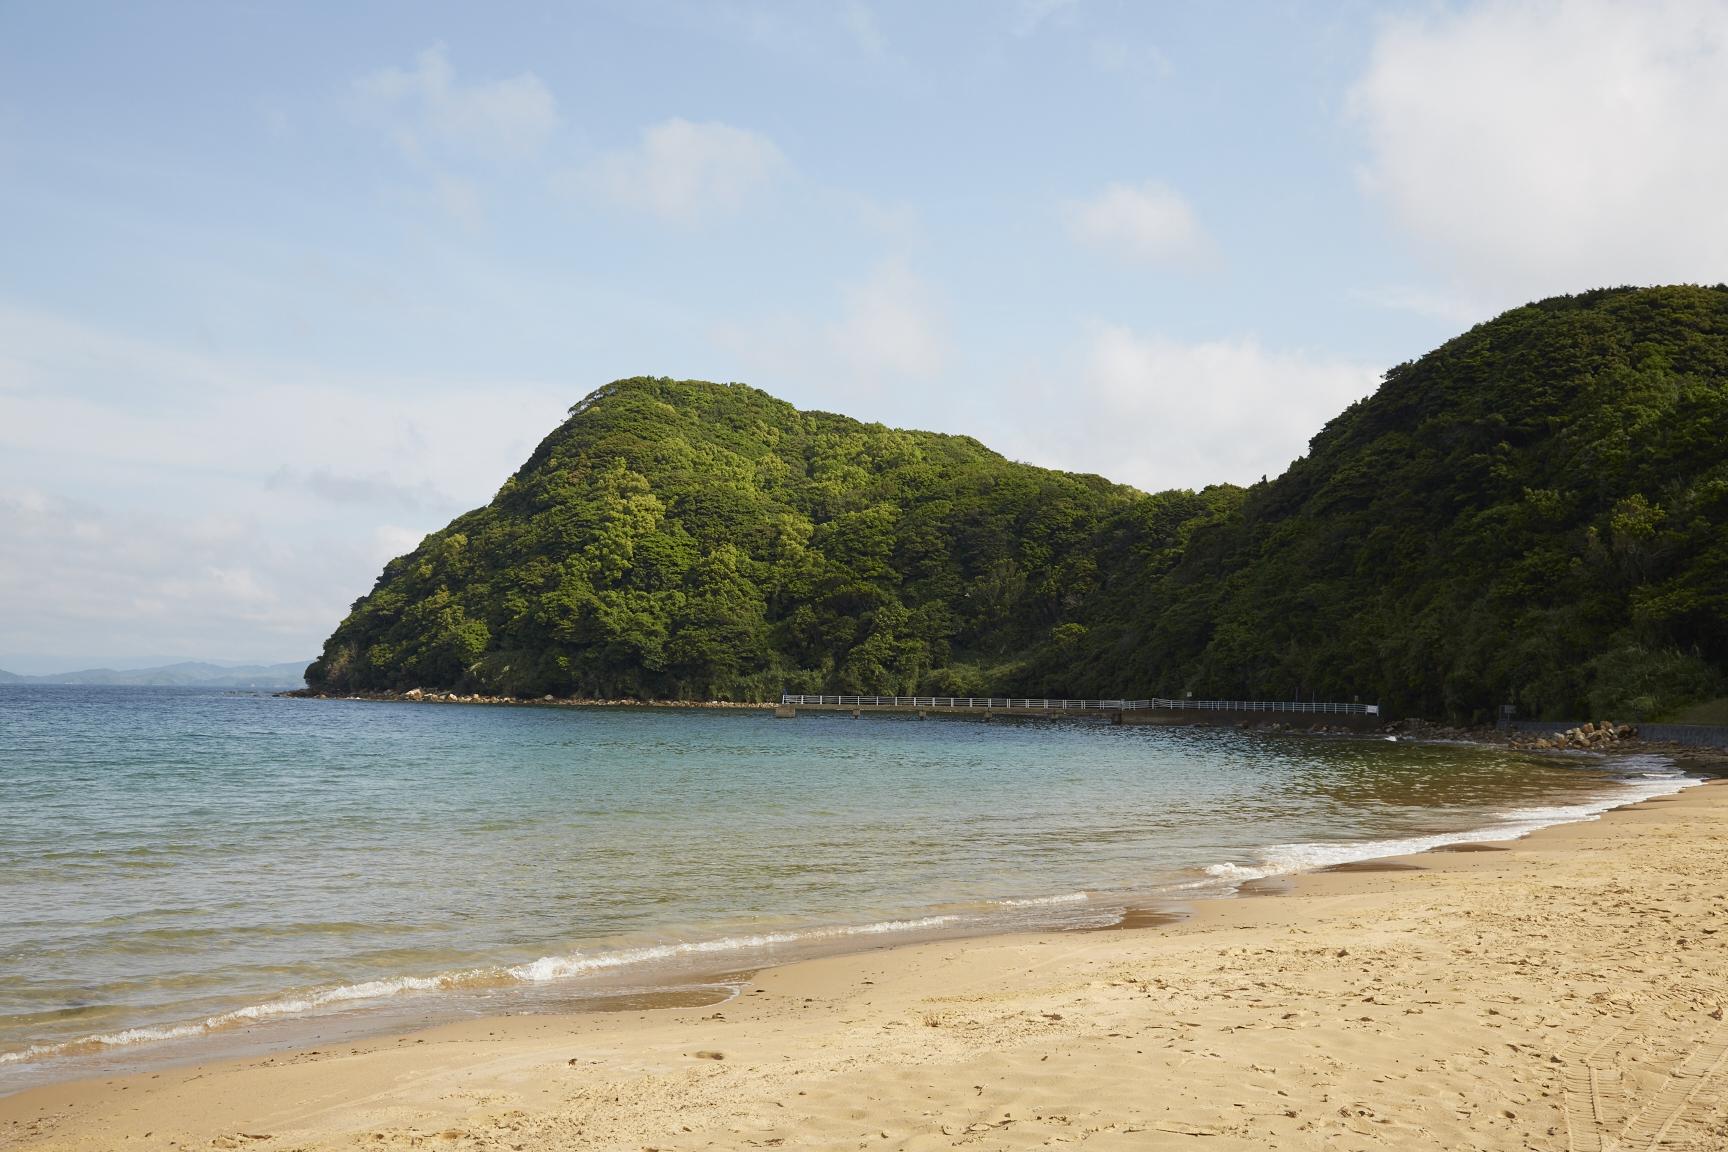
{"x":1269,"y":706}
{"x":982,"y":703}
{"x":1012,"y":703}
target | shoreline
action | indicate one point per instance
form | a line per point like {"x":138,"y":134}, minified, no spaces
{"x":1431,"y":931}
{"x":694,"y":966}
{"x":440,"y":696}
{"x":1708,"y":759}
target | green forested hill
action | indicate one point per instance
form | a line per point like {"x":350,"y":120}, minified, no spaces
{"x":1536,"y":511}
{"x":685,"y":539}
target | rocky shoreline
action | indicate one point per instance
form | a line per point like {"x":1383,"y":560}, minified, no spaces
{"x":1603,"y":738}
{"x":1587,"y":737}
{"x":1584,"y":738}
{"x":420,"y":696}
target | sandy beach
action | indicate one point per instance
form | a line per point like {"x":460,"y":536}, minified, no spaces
{"x":1566,"y":992}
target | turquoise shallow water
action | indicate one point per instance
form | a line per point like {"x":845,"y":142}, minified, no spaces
{"x":182,"y":870}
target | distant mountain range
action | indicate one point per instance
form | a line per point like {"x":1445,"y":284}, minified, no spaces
{"x":187,"y":675}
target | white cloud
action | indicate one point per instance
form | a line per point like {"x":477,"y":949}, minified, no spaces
{"x":685,"y":171}
{"x":1457,"y":309}
{"x":75,"y":574}
{"x":1540,"y":148}
{"x":354,"y":489}
{"x":426,"y":107}
{"x":460,"y":199}
{"x":1150,"y":222}
{"x":1115,"y":54}
{"x":1159,"y":413}
{"x":163,"y":501}
{"x":898,"y":224}
{"x":390,"y":541}
{"x":1030,"y":15}
{"x":1139,"y":408}
{"x":890,"y":326}
{"x":84,"y":393}
{"x":859,"y":21}
{"x":888,"y":332}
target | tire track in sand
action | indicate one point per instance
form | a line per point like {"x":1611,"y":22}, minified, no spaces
{"x":1694,"y":1086}
{"x":1593,"y":1098}
{"x":1586,"y":1096}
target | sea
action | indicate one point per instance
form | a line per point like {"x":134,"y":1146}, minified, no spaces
{"x":189,"y":874}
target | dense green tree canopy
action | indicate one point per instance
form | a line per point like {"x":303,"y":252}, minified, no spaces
{"x":1537,"y":512}
{"x":685,"y":539}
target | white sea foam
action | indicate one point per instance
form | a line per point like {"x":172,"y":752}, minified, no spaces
{"x":273,"y":1009}
{"x":543,"y":970}
{"x":561,"y":967}
{"x":1229,"y":871}
{"x":1042,"y":901}
{"x":1284,"y":859}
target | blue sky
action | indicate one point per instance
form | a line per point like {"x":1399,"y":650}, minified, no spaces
{"x":286,"y":286}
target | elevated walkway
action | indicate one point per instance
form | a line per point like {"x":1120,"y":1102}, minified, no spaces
{"x":1124,"y":711}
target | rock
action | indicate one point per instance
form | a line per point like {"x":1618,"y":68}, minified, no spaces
{"x":413,"y":694}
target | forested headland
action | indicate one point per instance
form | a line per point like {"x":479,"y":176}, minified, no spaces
{"x":1535,"y":512}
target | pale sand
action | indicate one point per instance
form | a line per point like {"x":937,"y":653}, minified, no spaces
{"x":1566,"y":994}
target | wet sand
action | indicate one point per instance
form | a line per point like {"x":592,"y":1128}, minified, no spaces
{"x":1566,"y":994}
